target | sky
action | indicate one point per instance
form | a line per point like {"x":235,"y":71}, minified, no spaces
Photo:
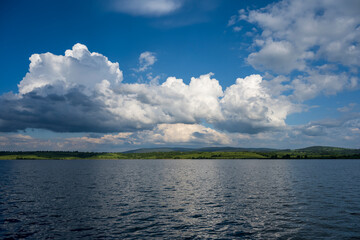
{"x":114,"y":75}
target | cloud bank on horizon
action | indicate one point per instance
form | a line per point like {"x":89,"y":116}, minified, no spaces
{"x":301,"y":50}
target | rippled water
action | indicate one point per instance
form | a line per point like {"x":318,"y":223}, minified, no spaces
{"x":178,"y":199}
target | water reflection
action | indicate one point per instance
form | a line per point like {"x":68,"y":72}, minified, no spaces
{"x":227,"y":199}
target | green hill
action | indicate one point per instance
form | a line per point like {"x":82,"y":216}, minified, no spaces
{"x":315,"y":152}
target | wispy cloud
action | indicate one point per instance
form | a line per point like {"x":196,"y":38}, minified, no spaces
{"x":148,"y":8}
{"x":347,"y":108}
{"x":146,"y":60}
{"x":166,"y":13}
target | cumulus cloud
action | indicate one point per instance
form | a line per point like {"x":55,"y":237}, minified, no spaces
{"x":146,"y":60}
{"x":146,"y":7}
{"x":298,"y":36}
{"x":144,"y":105}
{"x":315,"y":83}
{"x":329,"y":29}
{"x":280,"y":57}
{"x":78,"y":67}
{"x":82,"y":92}
{"x":248,"y":107}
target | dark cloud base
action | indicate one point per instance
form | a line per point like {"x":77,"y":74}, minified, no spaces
{"x":71,"y":112}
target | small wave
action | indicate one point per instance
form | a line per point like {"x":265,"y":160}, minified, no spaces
{"x":80,"y":229}
{"x":11,"y":220}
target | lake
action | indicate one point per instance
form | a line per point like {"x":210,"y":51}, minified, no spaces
{"x":180,"y":199}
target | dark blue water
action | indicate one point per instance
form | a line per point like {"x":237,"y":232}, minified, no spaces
{"x":178,"y":199}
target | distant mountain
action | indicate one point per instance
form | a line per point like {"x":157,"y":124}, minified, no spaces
{"x":328,"y":150}
{"x":320,"y":148}
{"x":232,"y":149}
{"x":168,"y":149}
{"x":206,"y":149}
{"x":323,"y":150}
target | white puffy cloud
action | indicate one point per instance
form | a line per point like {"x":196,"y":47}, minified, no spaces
{"x":330,"y":29}
{"x":77,"y":67}
{"x":248,"y":107}
{"x":280,"y":57}
{"x":146,"y":7}
{"x":306,"y":87}
{"x":146,"y":60}
{"x":300,"y":37}
{"x":144,"y":105}
{"x":82,"y":92}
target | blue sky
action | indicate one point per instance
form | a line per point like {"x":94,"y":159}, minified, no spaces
{"x":185,"y":51}
{"x":153,"y":73}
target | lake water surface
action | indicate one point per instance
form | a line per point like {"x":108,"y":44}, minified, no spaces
{"x":180,"y":199}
